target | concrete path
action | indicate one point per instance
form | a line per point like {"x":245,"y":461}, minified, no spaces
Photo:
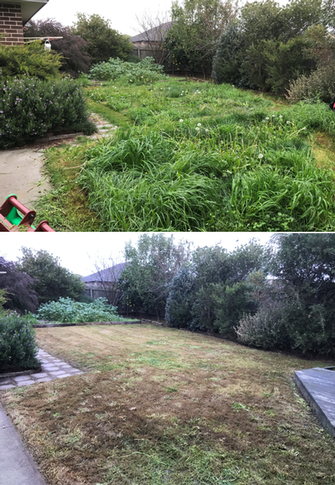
{"x":317,"y":386}
{"x":52,"y":368}
{"x":21,"y":174}
{"x":21,"y":170}
{"x":16,"y":465}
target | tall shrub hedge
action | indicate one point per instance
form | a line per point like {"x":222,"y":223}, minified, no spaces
{"x":30,"y":107}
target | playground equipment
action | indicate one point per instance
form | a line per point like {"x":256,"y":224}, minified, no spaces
{"x":15,"y":217}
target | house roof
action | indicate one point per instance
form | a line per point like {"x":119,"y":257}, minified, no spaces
{"x":109,"y":275}
{"x":28,"y":7}
{"x":154,"y":34}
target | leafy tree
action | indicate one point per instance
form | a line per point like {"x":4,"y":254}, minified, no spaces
{"x":305,"y":265}
{"x":51,"y":280}
{"x":151,"y":267}
{"x":196,"y":27}
{"x":103,"y":41}
{"x":216,"y":289}
{"x":16,"y":288}
{"x":73,"y":48}
{"x":268,"y":45}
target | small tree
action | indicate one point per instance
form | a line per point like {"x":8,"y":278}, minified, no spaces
{"x":51,"y":280}
{"x":73,"y":48}
{"x":151,"y":267}
{"x":16,"y":288}
{"x":103,"y":41}
{"x":155,"y":28}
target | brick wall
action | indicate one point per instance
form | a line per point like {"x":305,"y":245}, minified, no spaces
{"x":11,"y":24}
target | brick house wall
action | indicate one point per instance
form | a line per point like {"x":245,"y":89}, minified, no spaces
{"x":11,"y":24}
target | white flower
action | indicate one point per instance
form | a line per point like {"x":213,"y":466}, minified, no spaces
{"x":260,"y":155}
{"x":273,"y":116}
{"x":267,"y":118}
{"x":181,"y":120}
{"x":199,"y":124}
{"x":197,"y":128}
{"x":288,"y":122}
{"x":206,"y":129}
{"x":280,"y":116}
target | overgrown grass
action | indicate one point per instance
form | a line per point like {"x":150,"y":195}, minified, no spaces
{"x":190,"y":156}
{"x":164,"y":406}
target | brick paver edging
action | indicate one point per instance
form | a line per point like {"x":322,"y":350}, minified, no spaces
{"x":43,"y":325}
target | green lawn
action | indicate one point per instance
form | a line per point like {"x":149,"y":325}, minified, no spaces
{"x":196,"y":156}
{"x":164,"y":406}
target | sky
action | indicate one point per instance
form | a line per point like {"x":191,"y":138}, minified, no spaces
{"x":121,"y":14}
{"x":79,"y":252}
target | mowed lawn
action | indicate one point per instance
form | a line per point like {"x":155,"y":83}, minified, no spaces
{"x":165,"y":406}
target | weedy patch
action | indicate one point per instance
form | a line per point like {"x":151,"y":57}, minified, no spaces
{"x":158,"y":417}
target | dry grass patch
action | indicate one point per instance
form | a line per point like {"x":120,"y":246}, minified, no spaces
{"x":163,"y":406}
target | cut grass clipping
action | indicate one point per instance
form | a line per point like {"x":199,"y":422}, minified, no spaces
{"x":208,"y":158}
{"x":164,"y":406}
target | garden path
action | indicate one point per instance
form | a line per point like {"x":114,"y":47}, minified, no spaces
{"x":52,"y":368}
{"x":21,"y":170}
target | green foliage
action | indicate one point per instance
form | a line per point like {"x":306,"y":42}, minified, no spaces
{"x":127,"y":73}
{"x":151,"y":267}
{"x":296,"y":311}
{"x":179,"y":302}
{"x":72,"y":48}
{"x":29,"y":108}
{"x":18,"y":347}
{"x":66,"y":310}
{"x":51,"y":280}
{"x":3,"y":300}
{"x":16,"y":288}
{"x":212,"y":294}
{"x":197,"y":25}
{"x":268,"y":47}
{"x":29,"y":60}
{"x":103,"y":41}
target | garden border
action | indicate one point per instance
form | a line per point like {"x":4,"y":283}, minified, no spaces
{"x":122,"y":322}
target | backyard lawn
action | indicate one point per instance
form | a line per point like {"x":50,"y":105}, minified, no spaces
{"x":196,"y":156}
{"x":164,"y":406}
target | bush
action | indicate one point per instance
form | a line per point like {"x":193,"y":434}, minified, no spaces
{"x":179,"y":302}
{"x":72,"y":48}
{"x":66,"y":310}
{"x":128,"y":72}
{"x":18,"y":347}
{"x":29,"y":108}
{"x":29,"y":60}
{"x":264,"y":330}
{"x":320,"y":85}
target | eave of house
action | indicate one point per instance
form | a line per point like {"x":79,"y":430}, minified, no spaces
{"x":28,"y":7}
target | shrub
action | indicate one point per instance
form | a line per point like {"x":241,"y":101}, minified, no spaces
{"x":72,"y":48}
{"x":265,"y":329}
{"x":18,"y":347}
{"x":128,"y":72}
{"x":66,"y":310}
{"x":29,"y":60}
{"x":29,"y":108}
{"x":179,"y":302}
{"x":320,"y":85}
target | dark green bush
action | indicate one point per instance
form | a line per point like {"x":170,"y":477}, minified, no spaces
{"x":18,"y":347}
{"x":29,"y":108}
{"x":179,"y":302}
{"x":29,"y":60}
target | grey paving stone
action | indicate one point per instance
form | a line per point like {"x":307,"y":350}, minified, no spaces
{"x":57,"y":373}
{"x":7,"y":386}
{"x":39,"y":374}
{"x":3,"y":382}
{"x":25,"y":383}
{"x":49,"y":367}
{"x":21,"y":378}
{"x":44,"y":379}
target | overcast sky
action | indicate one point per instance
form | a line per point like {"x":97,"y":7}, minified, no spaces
{"x":122,"y":14}
{"x":78,"y":252}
